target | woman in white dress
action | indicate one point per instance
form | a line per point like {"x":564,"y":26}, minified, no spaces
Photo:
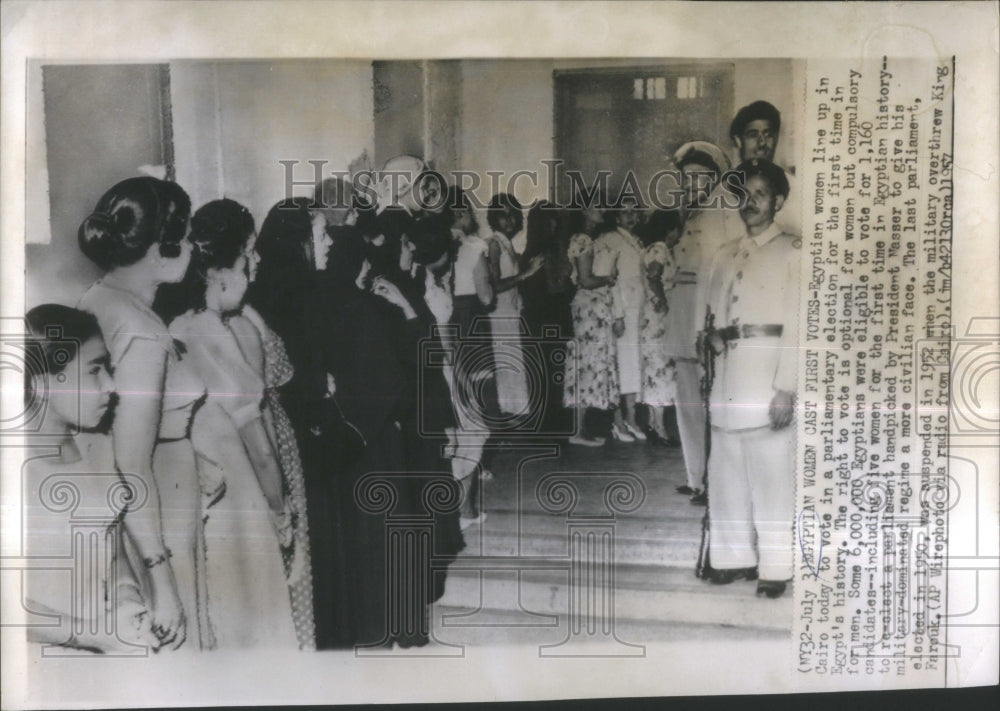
{"x":505,"y":217}
{"x":247,"y":516}
{"x":628,"y":301}
{"x":472,"y":293}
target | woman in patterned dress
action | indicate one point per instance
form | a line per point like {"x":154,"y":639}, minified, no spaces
{"x":592,"y":368}
{"x":659,"y":235}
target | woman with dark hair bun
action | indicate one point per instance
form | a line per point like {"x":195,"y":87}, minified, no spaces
{"x":138,"y":235}
{"x":248,"y":464}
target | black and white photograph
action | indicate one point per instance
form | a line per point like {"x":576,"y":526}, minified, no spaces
{"x":388,"y":361}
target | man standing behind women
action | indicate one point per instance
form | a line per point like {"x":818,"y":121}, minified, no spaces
{"x":138,"y":235}
{"x":248,"y":460}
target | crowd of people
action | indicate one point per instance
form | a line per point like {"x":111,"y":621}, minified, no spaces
{"x":269,"y":396}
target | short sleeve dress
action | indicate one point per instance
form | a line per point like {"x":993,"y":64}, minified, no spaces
{"x":592,"y":364}
{"x":658,"y":386}
{"x":125,"y":320}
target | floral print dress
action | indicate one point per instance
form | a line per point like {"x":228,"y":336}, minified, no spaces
{"x":658,"y":386}
{"x":278,"y":370}
{"x":591,"y":365}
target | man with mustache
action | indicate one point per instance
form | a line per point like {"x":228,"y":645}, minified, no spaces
{"x":752,"y":290}
{"x":755,"y":131}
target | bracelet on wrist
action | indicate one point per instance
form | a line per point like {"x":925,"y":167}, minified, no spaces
{"x":159,"y":559}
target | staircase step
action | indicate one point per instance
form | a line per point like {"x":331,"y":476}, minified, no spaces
{"x":639,"y":593}
{"x":499,"y":627}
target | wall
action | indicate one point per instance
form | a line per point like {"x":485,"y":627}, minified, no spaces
{"x":234,"y":121}
{"x":398,"y":110}
{"x":773,"y":80}
{"x":101,"y":123}
{"x":508,"y":108}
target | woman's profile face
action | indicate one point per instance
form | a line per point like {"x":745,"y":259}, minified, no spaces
{"x":321,"y":241}
{"x":79,"y":396}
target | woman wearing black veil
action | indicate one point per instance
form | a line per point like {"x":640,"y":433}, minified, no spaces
{"x":345,"y":402}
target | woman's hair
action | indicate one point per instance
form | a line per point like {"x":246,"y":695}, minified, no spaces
{"x":658,"y":226}
{"x":540,"y":235}
{"x":497,"y":206}
{"x":431,"y":238}
{"x":285,"y":239}
{"x":131,"y":217}
{"x":55,"y":334}
{"x":219,"y":233}
{"x":286,"y":267}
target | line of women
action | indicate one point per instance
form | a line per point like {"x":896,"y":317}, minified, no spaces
{"x":302,"y":416}
{"x":256,"y":398}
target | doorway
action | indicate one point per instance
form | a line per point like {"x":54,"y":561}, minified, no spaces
{"x":633,"y":119}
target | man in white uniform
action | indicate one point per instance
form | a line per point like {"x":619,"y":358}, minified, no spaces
{"x":752,"y":290}
{"x":707,"y":226}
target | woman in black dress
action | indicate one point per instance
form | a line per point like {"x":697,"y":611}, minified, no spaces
{"x":345,"y":403}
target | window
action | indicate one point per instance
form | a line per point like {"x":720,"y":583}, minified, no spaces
{"x":690,"y":87}
{"x":649,"y":88}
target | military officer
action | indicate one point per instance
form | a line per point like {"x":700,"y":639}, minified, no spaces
{"x":752,"y":289}
{"x":707,"y":226}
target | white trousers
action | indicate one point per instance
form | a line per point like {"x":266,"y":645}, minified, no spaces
{"x":630,"y":355}
{"x":751,"y":498}
{"x":691,"y":420}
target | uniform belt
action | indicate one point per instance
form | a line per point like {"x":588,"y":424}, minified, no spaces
{"x":751,"y":330}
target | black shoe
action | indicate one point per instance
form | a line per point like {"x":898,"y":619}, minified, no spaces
{"x":684,"y":489}
{"x":729,"y":575}
{"x":699,"y":498}
{"x":771,"y":588}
